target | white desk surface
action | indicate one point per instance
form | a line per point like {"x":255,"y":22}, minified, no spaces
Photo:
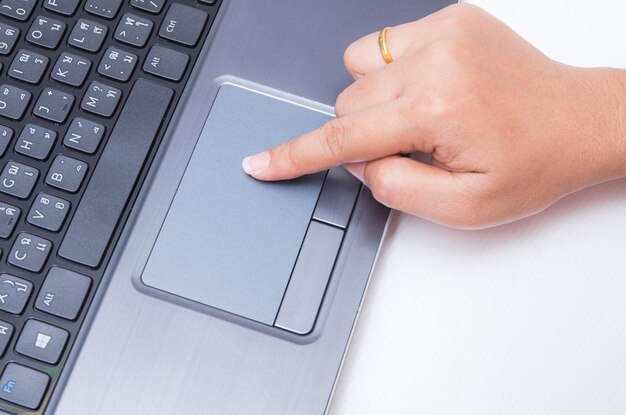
{"x":528,"y":318}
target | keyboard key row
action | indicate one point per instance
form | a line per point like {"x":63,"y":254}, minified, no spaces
{"x":47,"y":212}
{"x":65,"y":173}
{"x":62,"y":294}
{"x":55,"y":105}
{"x":36,"y":141}
{"x":118,"y":64}
{"x":182,"y":24}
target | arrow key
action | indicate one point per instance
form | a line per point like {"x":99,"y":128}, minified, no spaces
{"x":48,"y":212}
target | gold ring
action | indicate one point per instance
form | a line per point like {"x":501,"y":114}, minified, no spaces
{"x":382,"y":44}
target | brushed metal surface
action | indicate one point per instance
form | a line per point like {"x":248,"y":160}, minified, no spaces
{"x":144,"y":355}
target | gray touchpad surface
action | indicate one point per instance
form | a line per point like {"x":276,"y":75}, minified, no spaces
{"x":230,"y":241}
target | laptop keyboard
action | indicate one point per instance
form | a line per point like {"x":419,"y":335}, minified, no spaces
{"x":87,"y":88}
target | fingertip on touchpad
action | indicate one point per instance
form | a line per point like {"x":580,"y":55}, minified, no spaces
{"x":230,"y":241}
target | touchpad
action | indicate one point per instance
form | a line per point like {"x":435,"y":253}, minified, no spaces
{"x":230,"y":241}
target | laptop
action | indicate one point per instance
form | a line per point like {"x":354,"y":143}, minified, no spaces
{"x":141,"y":270}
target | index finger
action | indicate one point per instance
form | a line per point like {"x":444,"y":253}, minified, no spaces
{"x":366,"y":135}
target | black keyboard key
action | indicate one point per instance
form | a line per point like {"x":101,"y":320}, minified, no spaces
{"x":117,"y":64}
{"x":48,"y":212}
{"x":23,"y":386}
{"x":14,"y":293}
{"x":13,"y":101}
{"x":29,"y":252}
{"x":115,"y":174}
{"x":28,"y":66}
{"x":166,"y":63}
{"x":18,"y":179}
{"x":35,"y":141}
{"x":87,"y":35}
{"x":66,"y":173}
{"x":8,"y":38}
{"x":63,"y":293}
{"x":54,"y":105}
{"x":101,"y":99}
{"x":42,"y":341}
{"x":134,"y":30}
{"x":6,"y":134}
{"x":6,"y":331}
{"x":64,"y":7}
{"x":208,"y":2}
{"x":183,"y":24}
{"x":71,"y":69}
{"x":46,"y":32}
{"x":150,"y":6}
{"x":103,"y":8}
{"x":17,"y":9}
{"x":84,"y":135}
{"x":9,"y":215}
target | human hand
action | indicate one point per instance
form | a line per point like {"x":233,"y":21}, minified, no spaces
{"x":510,"y":131}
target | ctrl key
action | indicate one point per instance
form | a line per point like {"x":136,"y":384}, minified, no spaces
{"x":23,"y":386}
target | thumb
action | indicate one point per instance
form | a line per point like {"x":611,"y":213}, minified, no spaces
{"x":420,"y":189}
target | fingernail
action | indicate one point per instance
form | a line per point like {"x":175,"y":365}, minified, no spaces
{"x":257,"y":163}
{"x":356,"y":169}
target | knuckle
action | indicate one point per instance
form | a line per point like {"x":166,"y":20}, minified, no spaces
{"x":445,"y":51}
{"x":432,"y":105}
{"x":290,"y":155}
{"x":383,"y":189}
{"x":458,"y":15}
{"x":333,"y":139}
{"x":342,"y":106}
{"x":454,"y":23}
{"x":351,"y":98}
{"x":350,"y":59}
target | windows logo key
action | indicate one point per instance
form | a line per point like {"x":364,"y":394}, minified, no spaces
{"x":42,"y":340}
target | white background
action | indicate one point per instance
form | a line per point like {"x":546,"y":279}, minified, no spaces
{"x":528,"y":318}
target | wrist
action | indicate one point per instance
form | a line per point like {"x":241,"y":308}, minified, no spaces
{"x":598,"y":106}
